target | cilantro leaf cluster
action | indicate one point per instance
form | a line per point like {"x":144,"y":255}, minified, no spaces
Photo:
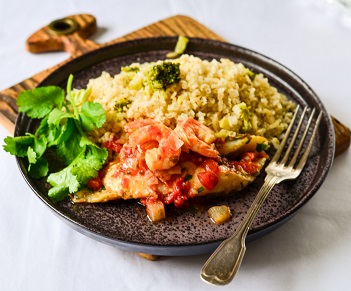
{"x":63,"y":127}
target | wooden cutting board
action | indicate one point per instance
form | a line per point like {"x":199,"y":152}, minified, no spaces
{"x":71,"y":34}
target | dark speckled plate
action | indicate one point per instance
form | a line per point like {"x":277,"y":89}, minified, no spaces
{"x":187,"y":232}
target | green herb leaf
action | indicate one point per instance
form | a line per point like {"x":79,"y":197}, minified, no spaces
{"x":57,"y":115}
{"x":63,"y":182}
{"x":63,"y":130}
{"x":40,"y":101}
{"x":88,"y":168}
{"x":261,"y":147}
{"x":39,"y":169}
{"x":32,"y":156}
{"x":69,"y":147}
{"x":92,"y":116}
{"x":18,"y":146}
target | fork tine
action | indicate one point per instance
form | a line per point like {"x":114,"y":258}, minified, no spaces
{"x":298,"y":150}
{"x":292,"y":142}
{"x":287,"y":133}
{"x":309,"y":146}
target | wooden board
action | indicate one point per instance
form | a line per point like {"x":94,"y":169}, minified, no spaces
{"x":71,"y":34}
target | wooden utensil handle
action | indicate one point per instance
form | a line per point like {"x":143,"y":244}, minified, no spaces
{"x":67,"y":34}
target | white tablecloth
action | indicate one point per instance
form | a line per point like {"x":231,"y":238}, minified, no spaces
{"x":310,"y":252}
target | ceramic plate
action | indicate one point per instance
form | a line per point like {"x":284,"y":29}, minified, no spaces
{"x":124,"y":224}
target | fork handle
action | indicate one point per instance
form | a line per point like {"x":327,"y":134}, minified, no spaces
{"x":224,"y":263}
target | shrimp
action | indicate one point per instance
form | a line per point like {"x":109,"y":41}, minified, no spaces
{"x":138,"y":123}
{"x":161,"y":145}
{"x":196,"y":137}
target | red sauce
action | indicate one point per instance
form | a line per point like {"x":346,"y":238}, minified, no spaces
{"x":113,"y":145}
{"x":180,"y":192}
{"x":95,"y":184}
{"x":248,"y":162}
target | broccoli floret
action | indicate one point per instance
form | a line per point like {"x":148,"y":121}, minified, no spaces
{"x":119,"y":105}
{"x":163,"y":75}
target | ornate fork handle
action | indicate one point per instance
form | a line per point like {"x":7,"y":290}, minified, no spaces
{"x":223,"y":264}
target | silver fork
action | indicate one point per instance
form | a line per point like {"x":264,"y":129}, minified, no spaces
{"x":224,"y":263}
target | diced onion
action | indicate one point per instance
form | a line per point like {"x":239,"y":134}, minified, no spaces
{"x":219,"y":214}
{"x":156,"y":211}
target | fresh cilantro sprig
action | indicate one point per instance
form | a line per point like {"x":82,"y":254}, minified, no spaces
{"x":63,"y":127}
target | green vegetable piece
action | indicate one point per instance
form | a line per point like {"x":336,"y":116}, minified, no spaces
{"x":81,"y":96}
{"x":251,"y":74}
{"x":128,"y":69}
{"x":245,"y":117}
{"x":261,"y":147}
{"x":40,"y":101}
{"x":179,"y":48}
{"x":181,"y":45}
{"x":92,"y":116}
{"x":163,"y":75}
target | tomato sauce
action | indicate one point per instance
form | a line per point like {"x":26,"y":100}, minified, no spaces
{"x":95,"y":184}
{"x":180,"y":192}
{"x":113,"y":145}
{"x":248,"y":162}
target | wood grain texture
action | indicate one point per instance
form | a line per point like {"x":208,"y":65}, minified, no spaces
{"x":76,"y":44}
{"x":57,"y":36}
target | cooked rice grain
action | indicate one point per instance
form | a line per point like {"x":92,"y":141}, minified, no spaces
{"x":225,"y":96}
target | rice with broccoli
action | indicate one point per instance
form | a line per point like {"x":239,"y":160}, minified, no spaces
{"x":225,"y":96}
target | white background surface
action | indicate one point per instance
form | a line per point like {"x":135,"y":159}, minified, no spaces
{"x":310,"y":252}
